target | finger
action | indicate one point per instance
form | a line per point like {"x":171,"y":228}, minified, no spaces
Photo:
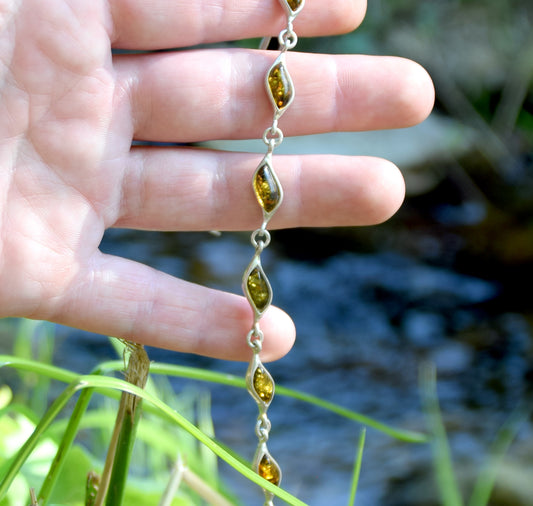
{"x":197,"y":189}
{"x":173,"y":98}
{"x":121,"y":298}
{"x":141,"y":24}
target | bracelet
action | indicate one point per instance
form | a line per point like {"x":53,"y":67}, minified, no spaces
{"x":269,"y":192}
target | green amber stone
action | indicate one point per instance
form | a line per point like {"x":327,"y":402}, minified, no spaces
{"x":280,"y":85}
{"x":258,"y":288}
{"x":294,"y":4}
{"x":263,"y":384}
{"x":266,"y":188}
{"x":269,"y":470}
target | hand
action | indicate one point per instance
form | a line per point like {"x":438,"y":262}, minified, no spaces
{"x":69,"y":113}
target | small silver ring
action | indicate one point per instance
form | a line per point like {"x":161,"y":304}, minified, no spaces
{"x":272,"y":137}
{"x":255,"y":339}
{"x":288,"y":39}
{"x":262,"y":428}
{"x":260,"y":239}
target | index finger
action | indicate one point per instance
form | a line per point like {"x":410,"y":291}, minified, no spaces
{"x":161,"y":24}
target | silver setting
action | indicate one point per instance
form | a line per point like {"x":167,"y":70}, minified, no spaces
{"x":266,"y":172}
{"x":263,"y":453}
{"x":288,"y":9}
{"x":256,"y":368}
{"x":279,"y":63}
{"x":255,"y":274}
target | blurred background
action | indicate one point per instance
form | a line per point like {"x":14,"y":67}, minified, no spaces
{"x":446,"y":280}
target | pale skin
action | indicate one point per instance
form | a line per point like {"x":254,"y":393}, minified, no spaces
{"x":69,"y":111}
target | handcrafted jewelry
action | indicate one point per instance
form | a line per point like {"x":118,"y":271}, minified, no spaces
{"x":256,"y":287}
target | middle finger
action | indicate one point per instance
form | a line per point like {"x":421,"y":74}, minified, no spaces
{"x":174,"y":99}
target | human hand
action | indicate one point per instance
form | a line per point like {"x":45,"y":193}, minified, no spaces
{"x":69,"y":113}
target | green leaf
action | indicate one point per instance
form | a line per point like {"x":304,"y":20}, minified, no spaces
{"x":446,"y":481}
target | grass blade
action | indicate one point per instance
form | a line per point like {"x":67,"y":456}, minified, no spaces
{"x":235,"y":381}
{"x":446,"y":481}
{"x":224,"y":379}
{"x":357,"y":466}
{"x":64,"y":446}
{"x":34,"y":340}
{"x":485,"y":482}
{"x":50,"y":371}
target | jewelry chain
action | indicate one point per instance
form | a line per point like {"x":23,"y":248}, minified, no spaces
{"x":256,"y":286}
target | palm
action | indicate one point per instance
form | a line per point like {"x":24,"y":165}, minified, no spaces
{"x":70,"y":112}
{"x":68,"y":144}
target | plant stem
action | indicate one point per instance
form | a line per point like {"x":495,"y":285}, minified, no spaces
{"x":176,"y":477}
{"x":182,"y":474}
{"x":91,"y":489}
{"x":203,"y":489}
{"x":33,"y":499}
{"x":114,"y":477}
